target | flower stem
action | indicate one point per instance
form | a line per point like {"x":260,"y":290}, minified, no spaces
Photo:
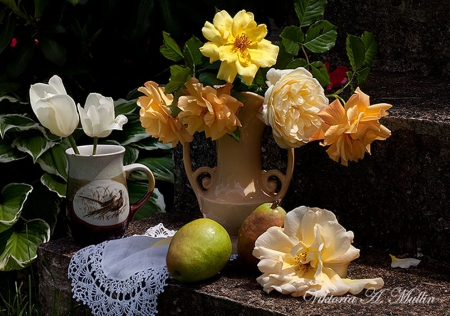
{"x":94,"y":150}
{"x":74,"y":144}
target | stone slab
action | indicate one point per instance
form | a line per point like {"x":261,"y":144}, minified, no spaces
{"x":235,"y":290}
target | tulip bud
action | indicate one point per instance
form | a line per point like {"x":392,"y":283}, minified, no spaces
{"x":97,"y":116}
{"x":52,"y":106}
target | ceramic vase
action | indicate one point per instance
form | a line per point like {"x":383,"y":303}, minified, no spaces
{"x":237,"y":185}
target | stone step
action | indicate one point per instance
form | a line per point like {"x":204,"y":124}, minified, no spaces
{"x":235,"y":290}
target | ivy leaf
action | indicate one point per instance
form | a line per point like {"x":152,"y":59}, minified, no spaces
{"x":13,"y":198}
{"x":291,"y":37}
{"x":309,"y":11}
{"x":170,"y":48}
{"x":355,"y":51}
{"x":321,"y":37}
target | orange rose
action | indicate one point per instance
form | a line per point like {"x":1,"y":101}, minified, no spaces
{"x":155,"y":115}
{"x":350,"y":130}
{"x":209,"y":110}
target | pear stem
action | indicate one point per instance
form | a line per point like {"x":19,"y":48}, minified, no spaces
{"x":275,"y":204}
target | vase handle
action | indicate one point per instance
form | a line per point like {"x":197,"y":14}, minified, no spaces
{"x":194,"y":175}
{"x":270,"y":186}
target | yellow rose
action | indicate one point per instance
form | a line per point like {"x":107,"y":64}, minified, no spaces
{"x":209,"y":110}
{"x":350,"y":130}
{"x":239,"y":43}
{"x":155,"y":115}
{"x":291,"y":106}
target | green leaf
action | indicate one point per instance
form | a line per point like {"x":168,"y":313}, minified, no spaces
{"x":54,"y":161}
{"x":21,"y":246}
{"x":355,"y":51}
{"x":21,"y":59}
{"x":321,"y":37}
{"x":291,"y":37}
{"x":13,"y":198}
{"x":42,"y":203}
{"x":155,"y":203}
{"x":34,"y":145}
{"x":7,"y":32}
{"x":170,"y":48}
{"x":295,"y":63}
{"x":151,"y":143}
{"x":370,"y":46}
{"x":125,"y":107}
{"x":8,"y":154}
{"x":191,"y":52}
{"x":179,"y":76}
{"x":132,"y":132}
{"x":309,"y":11}
{"x":17,"y":122}
{"x":161,"y":167}
{"x":131,"y":155}
{"x":39,"y":8}
{"x":320,"y":72}
{"x":362,"y":75}
{"x":53,"y":51}
{"x":54,"y":184}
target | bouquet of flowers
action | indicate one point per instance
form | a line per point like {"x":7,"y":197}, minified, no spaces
{"x":204,"y":91}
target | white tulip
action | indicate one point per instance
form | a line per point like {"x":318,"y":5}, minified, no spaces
{"x":97,"y":116}
{"x":53,"y":107}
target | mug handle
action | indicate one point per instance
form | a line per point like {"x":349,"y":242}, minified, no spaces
{"x":128,"y":169}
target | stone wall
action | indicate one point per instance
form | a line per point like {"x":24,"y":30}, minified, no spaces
{"x":412,"y":35}
{"x":395,"y":199}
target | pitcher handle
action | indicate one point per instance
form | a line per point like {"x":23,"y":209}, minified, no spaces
{"x":128,"y":169}
{"x":270,"y":186}
{"x":194,"y":175}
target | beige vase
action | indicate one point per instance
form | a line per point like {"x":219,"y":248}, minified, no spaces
{"x":237,"y":185}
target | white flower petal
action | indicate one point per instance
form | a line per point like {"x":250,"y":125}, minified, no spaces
{"x":404,"y":263}
{"x":356,"y":286}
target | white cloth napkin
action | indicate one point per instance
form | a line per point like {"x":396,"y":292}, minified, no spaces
{"x":123,"y":276}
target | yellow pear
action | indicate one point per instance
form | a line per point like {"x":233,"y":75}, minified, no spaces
{"x":264,"y":216}
{"x":198,"y":251}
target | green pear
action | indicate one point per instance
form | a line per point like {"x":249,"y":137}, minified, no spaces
{"x":264,"y":216}
{"x":198,"y":251}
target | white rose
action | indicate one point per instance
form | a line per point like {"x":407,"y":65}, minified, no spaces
{"x":292,"y":101}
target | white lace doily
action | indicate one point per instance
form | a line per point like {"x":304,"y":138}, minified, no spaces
{"x":123,"y":276}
